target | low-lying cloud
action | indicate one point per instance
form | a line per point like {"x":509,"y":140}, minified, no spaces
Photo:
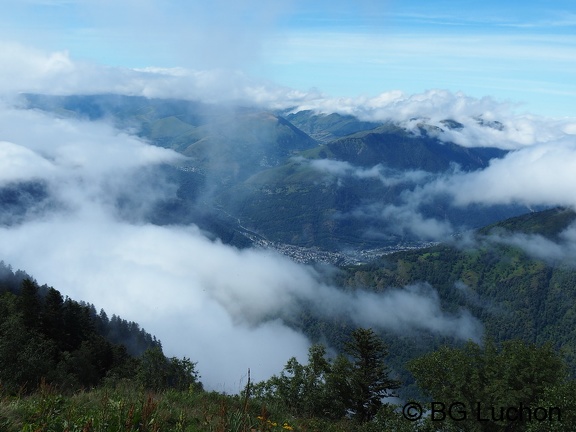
{"x":387,"y":176}
{"x":540,"y":174}
{"x":556,"y":251}
{"x":485,"y":122}
{"x":535,"y":176}
{"x":415,"y":307}
{"x":221,"y":306}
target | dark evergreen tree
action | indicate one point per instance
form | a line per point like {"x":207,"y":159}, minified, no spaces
{"x":339,"y":387}
{"x":370,"y":381}
{"x":26,"y":356}
{"x":52,"y":316}
{"x":78,"y":325}
{"x":30,"y":304}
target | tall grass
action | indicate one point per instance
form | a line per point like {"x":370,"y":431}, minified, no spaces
{"x":125,"y":407}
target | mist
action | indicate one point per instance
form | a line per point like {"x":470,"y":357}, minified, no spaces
{"x":534,"y":176}
{"x":387,"y":176}
{"x":214,"y":303}
{"x":553,"y":251}
{"x":218,"y":305}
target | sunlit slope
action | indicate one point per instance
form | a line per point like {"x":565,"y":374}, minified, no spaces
{"x":328,"y":127}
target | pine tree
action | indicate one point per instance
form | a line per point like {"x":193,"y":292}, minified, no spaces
{"x":30,"y":304}
{"x":52,"y":316}
{"x":370,"y":381}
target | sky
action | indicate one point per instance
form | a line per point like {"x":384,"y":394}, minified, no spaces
{"x":521,"y":52}
{"x":511,"y":62}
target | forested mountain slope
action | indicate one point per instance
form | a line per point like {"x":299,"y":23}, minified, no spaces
{"x":305,"y":179}
{"x":495,"y":275}
{"x":46,"y":338}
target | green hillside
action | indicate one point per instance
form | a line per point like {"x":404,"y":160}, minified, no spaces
{"x":547,"y":223}
{"x":328,"y":127}
{"x":396,"y":148}
{"x":222,"y":141}
{"x":49,"y":340}
{"x":253,"y":169}
{"x":297,"y":204}
{"x":512,"y":293}
{"x":335,"y":211}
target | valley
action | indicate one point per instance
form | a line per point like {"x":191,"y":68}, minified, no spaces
{"x":306,"y":216}
{"x":350,"y":185}
{"x":285,"y":230}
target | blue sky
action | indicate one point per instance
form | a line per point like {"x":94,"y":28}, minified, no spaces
{"x":522,"y":52}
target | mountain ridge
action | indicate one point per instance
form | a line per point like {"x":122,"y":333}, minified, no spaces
{"x":249,"y":162}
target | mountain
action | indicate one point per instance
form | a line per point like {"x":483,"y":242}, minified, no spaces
{"x":225,"y":142}
{"x":240,"y":145}
{"x":398,"y":149}
{"x":301,"y":179}
{"x":335,"y":194}
{"x":548,"y":223}
{"x":327,"y":127}
{"x":512,"y":292}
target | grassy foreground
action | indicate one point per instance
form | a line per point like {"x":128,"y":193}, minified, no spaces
{"x":127,"y":408}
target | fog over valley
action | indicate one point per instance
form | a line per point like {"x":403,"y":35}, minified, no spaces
{"x":245,"y":180}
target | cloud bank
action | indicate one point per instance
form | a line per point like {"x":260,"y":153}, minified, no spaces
{"x":387,"y":176}
{"x":540,"y":175}
{"x":29,"y":70}
{"x":213,"y":303}
{"x":218,"y":305}
{"x":559,"y":251}
{"x":485,"y":122}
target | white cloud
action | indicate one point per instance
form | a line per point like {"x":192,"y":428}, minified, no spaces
{"x":211,"y":302}
{"x":542,"y":174}
{"x":478,"y":117}
{"x":15,"y":161}
{"x":561,"y":250}
{"x":486,"y":122}
{"x":416,"y":307}
{"x":28,"y":70}
{"x":388,"y":177}
{"x":404,"y":219}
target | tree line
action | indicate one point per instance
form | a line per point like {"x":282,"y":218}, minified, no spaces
{"x":487,"y":387}
{"x":45,"y":337}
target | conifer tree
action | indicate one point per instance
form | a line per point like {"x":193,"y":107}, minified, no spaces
{"x":370,"y":381}
{"x":30,"y":304}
